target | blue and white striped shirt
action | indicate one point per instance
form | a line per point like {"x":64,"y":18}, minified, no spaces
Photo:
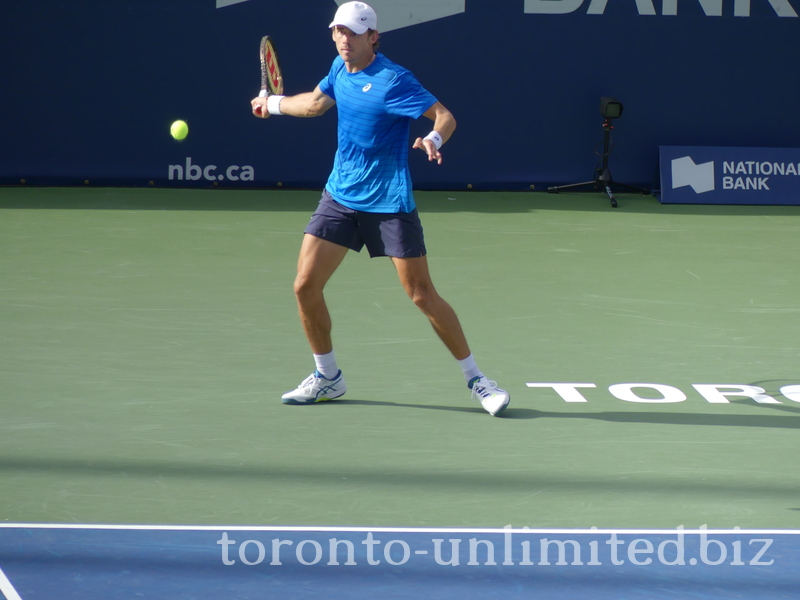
{"x":376,"y":105}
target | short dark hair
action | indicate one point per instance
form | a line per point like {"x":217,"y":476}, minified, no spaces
{"x":377,"y":42}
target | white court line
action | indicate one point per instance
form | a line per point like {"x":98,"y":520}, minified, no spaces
{"x":7,"y":589}
{"x":591,"y":531}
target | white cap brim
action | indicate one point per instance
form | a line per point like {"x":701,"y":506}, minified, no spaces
{"x":355,"y":27}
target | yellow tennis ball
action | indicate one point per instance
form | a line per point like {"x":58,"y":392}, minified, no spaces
{"x":179,"y":130}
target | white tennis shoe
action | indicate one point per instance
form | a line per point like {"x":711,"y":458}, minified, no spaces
{"x":492,"y":398}
{"x":316,"y":388}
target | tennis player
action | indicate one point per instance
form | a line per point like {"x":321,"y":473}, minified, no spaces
{"x":368,"y":198}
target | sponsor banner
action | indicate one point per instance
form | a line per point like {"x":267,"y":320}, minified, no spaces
{"x":722,"y":175}
{"x":127,"y":141}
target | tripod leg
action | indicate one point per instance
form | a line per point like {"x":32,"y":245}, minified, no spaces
{"x":557,"y":188}
{"x":611,"y":197}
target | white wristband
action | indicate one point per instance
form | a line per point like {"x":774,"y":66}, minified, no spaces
{"x":274,"y":105}
{"x":436,"y":138}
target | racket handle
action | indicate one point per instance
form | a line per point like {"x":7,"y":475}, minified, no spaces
{"x":262,"y":94}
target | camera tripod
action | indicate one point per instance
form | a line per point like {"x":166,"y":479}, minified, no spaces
{"x":602,"y":176}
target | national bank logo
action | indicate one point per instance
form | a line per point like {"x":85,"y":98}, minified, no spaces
{"x":699,"y":177}
{"x":747,"y":175}
{"x":730,"y":175}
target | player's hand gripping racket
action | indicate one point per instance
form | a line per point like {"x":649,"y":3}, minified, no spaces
{"x":271,"y":77}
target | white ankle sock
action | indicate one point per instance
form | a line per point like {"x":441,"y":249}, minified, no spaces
{"x":326,"y":364}
{"x":471,"y":370}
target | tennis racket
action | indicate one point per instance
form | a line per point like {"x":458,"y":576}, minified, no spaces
{"x":271,"y":76}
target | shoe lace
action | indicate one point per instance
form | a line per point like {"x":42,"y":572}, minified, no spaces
{"x":309,"y":382}
{"x":482,"y":389}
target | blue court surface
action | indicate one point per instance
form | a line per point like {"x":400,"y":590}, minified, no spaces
{"x":112,"y":561}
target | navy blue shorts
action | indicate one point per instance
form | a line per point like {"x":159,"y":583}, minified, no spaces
{"x":384,"y":234}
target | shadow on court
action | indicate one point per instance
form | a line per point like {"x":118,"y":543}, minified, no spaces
{"x":703,"y":419}
{"x":769,"y":421}
{"x":514,"y":480}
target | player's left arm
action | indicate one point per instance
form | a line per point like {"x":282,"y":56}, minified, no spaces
{"x":444,"y":124}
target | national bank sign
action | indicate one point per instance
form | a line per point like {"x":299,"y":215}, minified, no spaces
{"x":721,"y":175}
{"x":397,"y":14}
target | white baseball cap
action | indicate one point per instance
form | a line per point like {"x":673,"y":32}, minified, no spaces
{"x":356,"y":16}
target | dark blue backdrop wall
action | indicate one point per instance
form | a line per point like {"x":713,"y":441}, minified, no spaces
{"x":90,"y":87}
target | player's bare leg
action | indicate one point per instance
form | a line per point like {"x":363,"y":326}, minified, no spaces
{"x":416,"y":280}
{"x":318,"y":261}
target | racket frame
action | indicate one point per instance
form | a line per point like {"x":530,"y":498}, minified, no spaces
{"x":271,"y":74}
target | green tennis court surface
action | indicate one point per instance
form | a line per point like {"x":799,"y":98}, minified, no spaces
{"x":147,"y":336}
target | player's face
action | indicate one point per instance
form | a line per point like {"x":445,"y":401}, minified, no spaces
{"x":355,"y":49}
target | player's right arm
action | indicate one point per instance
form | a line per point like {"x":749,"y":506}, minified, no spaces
{"x":310,"y":104}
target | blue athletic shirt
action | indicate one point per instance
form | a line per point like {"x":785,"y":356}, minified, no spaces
{"x":375,"y":106}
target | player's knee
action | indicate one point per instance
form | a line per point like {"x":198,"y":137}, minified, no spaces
{"x":305,"y":288}
{"x":424,"y":299}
